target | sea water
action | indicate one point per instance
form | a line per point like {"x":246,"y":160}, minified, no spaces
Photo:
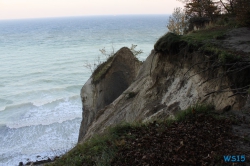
{"x":42,"y":71}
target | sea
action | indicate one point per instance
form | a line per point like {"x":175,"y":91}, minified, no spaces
{"x":43,"y":65}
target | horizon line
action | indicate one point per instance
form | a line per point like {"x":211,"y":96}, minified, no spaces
{"x":94,"y":15}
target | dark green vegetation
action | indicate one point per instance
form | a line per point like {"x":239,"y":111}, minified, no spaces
{"x":169,"y":44}
{"x":206,"y":41}
{"x":201,"y":12}
{"x":101,"y":70}
{"x":196,"y":136}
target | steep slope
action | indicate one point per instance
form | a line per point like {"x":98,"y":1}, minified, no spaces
{"x":107,"y":83}
{"x":169,"y":81}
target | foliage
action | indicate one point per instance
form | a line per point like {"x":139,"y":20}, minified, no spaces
{"x":222,"y":54}
{"x":228,"y":5}
{"x":199,"y":41}
{"x":197,"y":23}
{"x":202,"y":12}
{"x":101,"y":70}
{"x":170,"y":43}
{"x":201,"y":8}
{"x":243,"y":12}
{"x":134,"y":51}
{"x":225,"y":56}
{"x":177,"y":22}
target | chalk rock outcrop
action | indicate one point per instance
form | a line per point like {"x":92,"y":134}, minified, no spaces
{"x":106,"y":84}
{"x":169,"y":80}
{"x":163,"y":86}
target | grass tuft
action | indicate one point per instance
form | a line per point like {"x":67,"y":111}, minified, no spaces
{"x":192,"y":111}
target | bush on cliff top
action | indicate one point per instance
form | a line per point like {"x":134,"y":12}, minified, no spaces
{"x":170,"y":43}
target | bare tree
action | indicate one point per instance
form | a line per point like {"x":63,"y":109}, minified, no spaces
{"x":178,"y":22}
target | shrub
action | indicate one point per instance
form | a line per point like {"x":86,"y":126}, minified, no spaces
{"x":178,"y":22}
{"x":170,"y":43}
{"x":243,"y":12}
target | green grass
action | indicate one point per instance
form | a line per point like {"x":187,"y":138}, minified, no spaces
{"x":197,"y":41}
{"x":204,"y":35}
{"x":201,"y":41}
{"x":223,"y":55}
{"x":192,"y":111}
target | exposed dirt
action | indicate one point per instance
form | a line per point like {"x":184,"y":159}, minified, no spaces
{"x":199,"y":140}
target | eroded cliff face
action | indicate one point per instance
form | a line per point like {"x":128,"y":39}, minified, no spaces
{"x":164,"y":85}
{"x":119,"y":73}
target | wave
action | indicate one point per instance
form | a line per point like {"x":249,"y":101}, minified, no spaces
{"x":39,"y":104}
{"x":18,"y":106}
{"x":29,"y":114}
{"x":46,"y":94}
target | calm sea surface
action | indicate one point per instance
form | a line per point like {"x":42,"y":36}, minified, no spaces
{"x":42,"y":71}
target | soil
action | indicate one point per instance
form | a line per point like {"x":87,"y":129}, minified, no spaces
{"x":198,"y":140}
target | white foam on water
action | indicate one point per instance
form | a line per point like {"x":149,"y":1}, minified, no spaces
{"x":37,"y":142}
{"x":30,"y":114}
{"x":29,"y":132}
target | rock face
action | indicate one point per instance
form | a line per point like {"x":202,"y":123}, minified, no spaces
{"x":165,"y":84}
{"x":120,"y":72}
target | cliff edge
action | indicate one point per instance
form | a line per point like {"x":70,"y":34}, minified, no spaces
{"x":175,"y":75}
{"x":107,"y":82}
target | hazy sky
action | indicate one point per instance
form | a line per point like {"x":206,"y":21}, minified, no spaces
{"x":15,"y":9}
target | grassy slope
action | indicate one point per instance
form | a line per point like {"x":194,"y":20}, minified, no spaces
{"x":197,"y":136}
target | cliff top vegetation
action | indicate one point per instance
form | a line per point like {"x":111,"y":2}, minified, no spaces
{"x":198,"y":14}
